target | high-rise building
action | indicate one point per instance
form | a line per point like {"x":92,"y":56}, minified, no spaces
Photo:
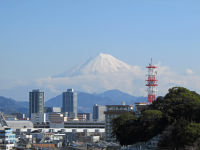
{"x":98,"y":113}
{"x":36,"y":102}
{"x":69,"y":103}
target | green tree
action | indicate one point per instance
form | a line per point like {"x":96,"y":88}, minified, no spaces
{"x":118,"y":124}
{"x":179,"y":103}
{"x":151,"y":123}
{"x":181,"y":133}
{"x":144,"y":128}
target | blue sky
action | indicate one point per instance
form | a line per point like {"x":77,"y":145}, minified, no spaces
{"x":44,"y":38}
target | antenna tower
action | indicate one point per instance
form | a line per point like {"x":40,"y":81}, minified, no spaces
{"x":151,"y":82}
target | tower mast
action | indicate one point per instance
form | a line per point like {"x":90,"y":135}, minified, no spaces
{"x":151,"y":82}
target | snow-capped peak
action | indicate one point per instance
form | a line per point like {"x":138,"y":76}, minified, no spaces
{"x":101,"y":64}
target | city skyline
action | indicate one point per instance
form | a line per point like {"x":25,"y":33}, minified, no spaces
{"x":42,"y":39}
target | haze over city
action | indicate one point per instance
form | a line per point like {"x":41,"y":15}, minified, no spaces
{"x":40,"y":40}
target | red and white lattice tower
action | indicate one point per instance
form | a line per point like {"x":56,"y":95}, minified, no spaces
{"x":151,"y":82}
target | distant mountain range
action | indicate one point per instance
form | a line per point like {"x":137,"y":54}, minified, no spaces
{"x":8,"y":106}
{"x":85,"y":101}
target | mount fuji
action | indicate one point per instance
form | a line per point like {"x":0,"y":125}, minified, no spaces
{"x":101,"y":73}
{"x":101,"y":64}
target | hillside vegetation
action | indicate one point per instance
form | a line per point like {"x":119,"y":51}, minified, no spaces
{"x":176,"y":116}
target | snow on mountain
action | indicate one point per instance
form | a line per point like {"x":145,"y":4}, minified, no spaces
{"x":98,"y":74}
{"x":101,"y":64}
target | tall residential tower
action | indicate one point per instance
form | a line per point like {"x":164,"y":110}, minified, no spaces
{"x":69,"y":103}
{"x":36,"y":105}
